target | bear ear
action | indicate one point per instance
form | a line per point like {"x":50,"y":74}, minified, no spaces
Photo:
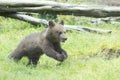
{"x":62,"y":22}
{"x":51,"y":24}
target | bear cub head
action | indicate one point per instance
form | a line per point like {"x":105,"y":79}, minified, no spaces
{"x":56,"y":32}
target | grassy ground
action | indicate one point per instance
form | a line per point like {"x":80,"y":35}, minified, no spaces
{"x":76,"y":67}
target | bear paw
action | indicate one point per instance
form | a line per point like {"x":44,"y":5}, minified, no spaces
{"x":60,"y":57}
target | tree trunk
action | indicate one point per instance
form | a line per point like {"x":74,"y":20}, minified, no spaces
{"x":58,"y":8}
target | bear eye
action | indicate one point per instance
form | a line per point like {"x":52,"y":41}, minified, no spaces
{"x":60,"y":33}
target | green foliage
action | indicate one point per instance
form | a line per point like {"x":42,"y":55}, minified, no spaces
{"x":75,"y":67}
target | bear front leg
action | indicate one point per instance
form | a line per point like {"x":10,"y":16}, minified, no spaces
{"x":64,"y":53}
{"x":49,"y":51}
{"x":60,"y":50}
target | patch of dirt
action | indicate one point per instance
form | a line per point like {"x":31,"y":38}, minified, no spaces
{"x":106,"y":53}
{"x":109,"y":53}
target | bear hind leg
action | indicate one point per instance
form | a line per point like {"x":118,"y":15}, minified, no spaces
{"x":14,"y":57}
{"x":33,"y":61}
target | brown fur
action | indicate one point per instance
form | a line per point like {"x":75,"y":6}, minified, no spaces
{"x":47,"y":41}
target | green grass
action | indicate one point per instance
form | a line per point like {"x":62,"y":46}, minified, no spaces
{"x":77,"y":45}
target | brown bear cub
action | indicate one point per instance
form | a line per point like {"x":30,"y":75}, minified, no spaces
{"x":46,"y":42}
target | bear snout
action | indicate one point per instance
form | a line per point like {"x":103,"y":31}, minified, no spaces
{"x":63,"y":39}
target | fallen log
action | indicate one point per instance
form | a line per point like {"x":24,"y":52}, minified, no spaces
{"x":58,"y":8}
{"x":76,"y":11}
{"x":26,"y":18}
{"x":110,"y":20}
{"x":36,"y":21}
{"x":87,"y":29}
{"x":31,"y":3}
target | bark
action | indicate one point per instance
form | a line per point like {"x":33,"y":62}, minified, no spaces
{"x":30,"y":3}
